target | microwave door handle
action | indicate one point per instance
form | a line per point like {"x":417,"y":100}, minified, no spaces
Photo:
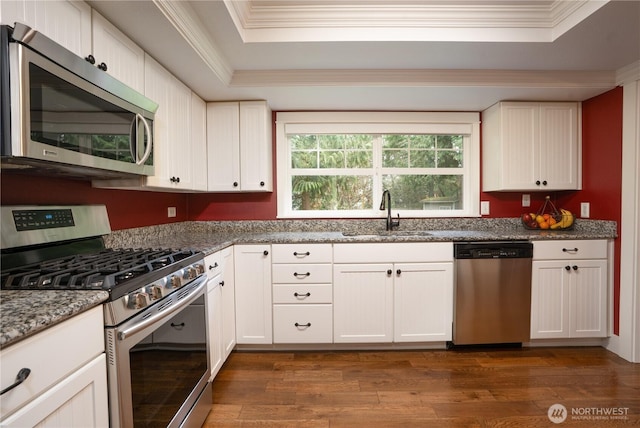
{"x":147,"y":151}
{"x":133,"y":138}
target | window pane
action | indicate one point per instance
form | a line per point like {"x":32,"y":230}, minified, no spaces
{"x":304,"y":159}
{"x":302,"y":142}
{"x":449,"y":159}
{"x":424,"y":192}
{"x":321,"y":192}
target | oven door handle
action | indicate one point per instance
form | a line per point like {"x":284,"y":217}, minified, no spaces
{"x":197,"y":287}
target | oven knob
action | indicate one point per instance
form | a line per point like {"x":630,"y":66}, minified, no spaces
{"x":138,"y":301}
{"x":156,"y":292}
{"x":190,"y":273}
{"x":174,"y":281}
{"x":199,"y":269}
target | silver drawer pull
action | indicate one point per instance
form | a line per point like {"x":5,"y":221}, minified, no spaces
{"x":302,"y":295}
{"x":301,"y":275}
{"x":303,"y":325}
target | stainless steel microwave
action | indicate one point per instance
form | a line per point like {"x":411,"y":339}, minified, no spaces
{"x":62,"y":115}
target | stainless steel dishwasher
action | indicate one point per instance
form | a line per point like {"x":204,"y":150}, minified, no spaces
{"x":492,"y":292}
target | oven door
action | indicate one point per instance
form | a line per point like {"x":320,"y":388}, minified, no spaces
{"x":158,"y":363}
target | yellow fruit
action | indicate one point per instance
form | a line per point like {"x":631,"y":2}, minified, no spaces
{"x":540,"y":219}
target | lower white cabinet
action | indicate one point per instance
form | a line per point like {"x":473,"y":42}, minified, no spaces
{"x":569,"y":290}
{"x":215,"y":323}
{"x":408,"y":299}
{"x":253,"y":294}
{"x":67,"y":385}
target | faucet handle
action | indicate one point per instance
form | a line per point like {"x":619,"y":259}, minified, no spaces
{"x":395,"y":223}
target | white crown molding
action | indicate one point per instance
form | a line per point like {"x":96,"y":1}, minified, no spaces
{"x":434,"y":20}
{"x":186,"y":22}
{"x":421,"y":78}
{"x":628,"y":74}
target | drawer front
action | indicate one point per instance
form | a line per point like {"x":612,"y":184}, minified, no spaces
{"x":302,"y":253}
{"x":314,"y":324}
{"x":396,"y":252}
{"x":51,"y":355}
{"x":570,"y":249}
{"x":305,"y":293}
{"x":213,"y":264}
{"x":301,"y":274}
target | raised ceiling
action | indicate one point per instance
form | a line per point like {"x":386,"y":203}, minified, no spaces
{"x":387,"y":55}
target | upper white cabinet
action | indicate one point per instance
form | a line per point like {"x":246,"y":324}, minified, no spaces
{"x":123,"y":58}
{"x":239,"y":147}
{"x":531,"y":146}
{"x":66,"y":22}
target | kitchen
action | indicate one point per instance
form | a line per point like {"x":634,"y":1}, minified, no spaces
{"x":602,"y":114}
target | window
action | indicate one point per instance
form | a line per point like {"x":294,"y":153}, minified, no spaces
{"x":337,"y":164}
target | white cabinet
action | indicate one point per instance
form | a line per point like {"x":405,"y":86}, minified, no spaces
{"x":569,"y":289}
{"x":407,"y":299}
{"x":239,"y":145}
{"x":302,"y":293}
{"x":253,"y":294}
{"x":221,"y":322}
{"x":67,"y":385}
{"x":66,"y":22}
{"x":531,"y":146}
{"x":123,"y":58}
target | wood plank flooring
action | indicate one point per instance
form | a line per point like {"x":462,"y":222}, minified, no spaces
{"x":453,"y":388}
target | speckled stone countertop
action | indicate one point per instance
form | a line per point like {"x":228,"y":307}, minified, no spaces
{"x":213,"y":236}
{"x":24,"y":313}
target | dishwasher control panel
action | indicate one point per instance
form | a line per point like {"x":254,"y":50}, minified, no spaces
{"x":493,"y":250}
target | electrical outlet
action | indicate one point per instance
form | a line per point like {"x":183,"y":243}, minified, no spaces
{"x":526,"y":200}
{"x":171,"y":212}
{"x":584,"y":209}
{"x":484,"y":208}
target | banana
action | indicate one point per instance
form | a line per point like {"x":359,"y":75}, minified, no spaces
{"x":566,"y":222}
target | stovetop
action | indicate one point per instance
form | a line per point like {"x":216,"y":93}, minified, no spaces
{"x":117,"y":271}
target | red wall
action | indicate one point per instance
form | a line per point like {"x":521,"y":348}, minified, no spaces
{"x":126,"y":208}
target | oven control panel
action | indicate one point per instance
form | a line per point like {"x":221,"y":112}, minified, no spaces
{"x":42,"y":219}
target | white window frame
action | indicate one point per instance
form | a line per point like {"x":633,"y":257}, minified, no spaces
{"x":459,"y":123}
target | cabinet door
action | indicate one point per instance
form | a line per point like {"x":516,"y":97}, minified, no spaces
{"x":423,"y":302}
{"x":550,"y":300}
{"x":124,"y":59}
{"x":253,"y":294}
{"x":198,"y":143}
{"x":521,"y":162}
{"x":559,"y":146}
{"x":79,"y":400}
{"x":180,"y":170}
{"x":223,"y":146}
{"x":215,"y":323}
{"x":157,"y":82}
{"x":255,"y":146}
{"x":362,"y":303}
{"x":66,"y":22}
{"x":228,"y":302}
{"x":589,"y":298}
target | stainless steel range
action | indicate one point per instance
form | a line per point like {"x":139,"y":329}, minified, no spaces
{"x":155,"y":317}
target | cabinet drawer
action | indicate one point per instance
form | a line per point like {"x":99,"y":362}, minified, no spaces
{"x":570,"y":249}
{"x":314,"y":324}
{"x":305,"y":293}
{"x":300,"y":274}
{"x":302,"y":253}
{"x":213,"y":264}
{"x":397,"y":252}
{"x":51,"y":355}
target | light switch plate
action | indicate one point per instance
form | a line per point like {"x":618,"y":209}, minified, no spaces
{"x":584,"y":209}
{"x":484,"y":208}
{"x":526,"y":200}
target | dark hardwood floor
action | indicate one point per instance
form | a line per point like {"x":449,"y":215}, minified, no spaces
{"x":453,"y":388}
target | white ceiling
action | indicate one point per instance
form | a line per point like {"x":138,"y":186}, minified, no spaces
{"x":436,"y":55}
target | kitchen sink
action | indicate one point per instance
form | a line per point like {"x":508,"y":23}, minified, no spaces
{"x":389,"y":233}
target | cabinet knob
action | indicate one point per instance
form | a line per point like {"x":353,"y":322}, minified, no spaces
{"x":222,"y":283}
{"x":574,"y":267}
{"x":235,"y":184}
{"x":389,"y":272}
{"x":102,"y":66}
{"x":544,"y":183}
{"x":398,"y":272}
{"x":90,"y":59}
{"x":175,"y":179}
{"x":567,"y":267}
{"x":262,"y":184}
{"x":265,"y":252}
{"x":537,"y":182}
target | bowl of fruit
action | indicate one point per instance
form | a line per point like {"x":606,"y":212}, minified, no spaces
{"x":548,"y":217}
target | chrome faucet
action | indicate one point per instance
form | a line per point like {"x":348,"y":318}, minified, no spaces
{"x":386,"y":204}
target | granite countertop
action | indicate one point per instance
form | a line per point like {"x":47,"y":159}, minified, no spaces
{"x":24,"y":313}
